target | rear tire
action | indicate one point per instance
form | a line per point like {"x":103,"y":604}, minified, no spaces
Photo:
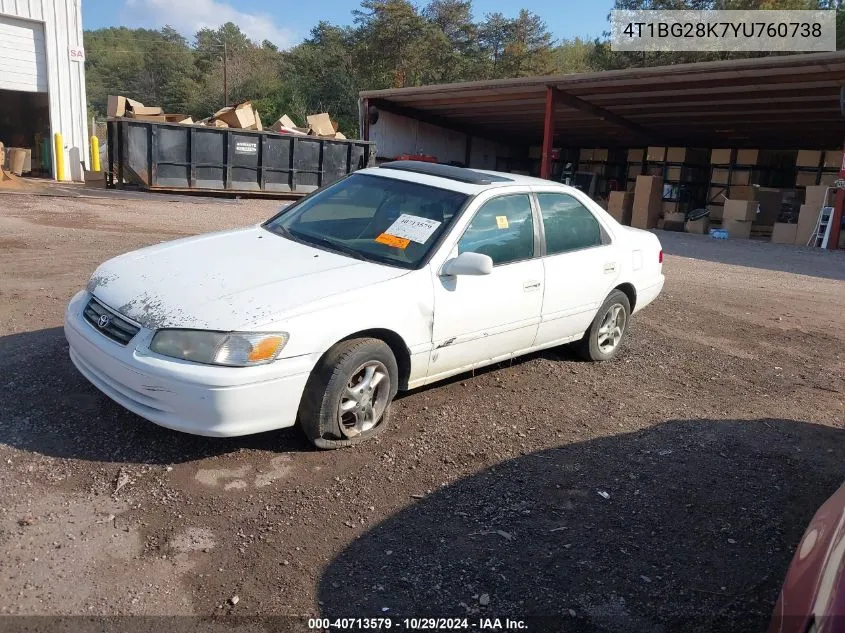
{"x":347,"y":397}
{"x":604,"y":337}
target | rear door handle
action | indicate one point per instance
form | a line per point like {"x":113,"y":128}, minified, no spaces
{"x":530,"y":286}
{"x":610,"y":267}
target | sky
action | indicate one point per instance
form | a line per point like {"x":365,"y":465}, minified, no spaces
{"x":286,"y":23}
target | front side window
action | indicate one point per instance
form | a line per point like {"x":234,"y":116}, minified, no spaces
{"x":502,"y":228}
{"x":378,"y":219}
{"x":569,"y":225}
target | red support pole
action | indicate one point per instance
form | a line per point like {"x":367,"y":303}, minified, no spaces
{"x":548,"y":134}
{"x":836,"y":216}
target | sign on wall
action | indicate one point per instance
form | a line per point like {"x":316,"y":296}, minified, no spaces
{"x":76,"y":53}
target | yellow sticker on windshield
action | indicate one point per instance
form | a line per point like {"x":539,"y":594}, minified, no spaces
{"x":502,"y":221}
{"x":391,"y":240}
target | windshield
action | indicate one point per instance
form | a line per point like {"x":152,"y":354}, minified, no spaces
{"x":378,"y":219}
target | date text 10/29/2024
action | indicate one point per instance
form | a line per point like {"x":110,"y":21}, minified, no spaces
{"x":417,"y":624}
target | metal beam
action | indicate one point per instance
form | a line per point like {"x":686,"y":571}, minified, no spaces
{"x":449,"y":124}
{"x":575,"y":103}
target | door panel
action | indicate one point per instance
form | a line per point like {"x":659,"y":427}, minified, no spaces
{"x":576,"y":285}
{"x":481,"y":318}
{"x":484,"y":318}
{"x":580,"y":267}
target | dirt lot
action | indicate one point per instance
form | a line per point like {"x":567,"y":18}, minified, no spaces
{"x":663,"y":491}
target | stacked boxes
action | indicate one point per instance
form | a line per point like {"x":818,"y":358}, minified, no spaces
{"x":737,"y":217}
{"x":647,"y":203}
{"x":815,"y":198}
{"x":620,"y":205}
{"x":816,"y":167}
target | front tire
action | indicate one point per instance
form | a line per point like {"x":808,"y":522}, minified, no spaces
{"x":347,"y":397}
{"x":604,"y":337}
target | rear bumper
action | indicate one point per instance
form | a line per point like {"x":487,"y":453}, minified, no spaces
{"x":197,"y":399}
{"x":648,"y":294}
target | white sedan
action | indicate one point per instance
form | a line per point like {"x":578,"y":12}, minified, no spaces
{"x":392,"y":278}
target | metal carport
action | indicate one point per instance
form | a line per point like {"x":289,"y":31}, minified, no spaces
{"x":777,"y":102}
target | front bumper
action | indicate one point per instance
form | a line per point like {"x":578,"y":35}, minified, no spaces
{"x":184,"y":396}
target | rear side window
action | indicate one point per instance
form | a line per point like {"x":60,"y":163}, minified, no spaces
{"x":569,"y":225}
{"x":503,"y":229}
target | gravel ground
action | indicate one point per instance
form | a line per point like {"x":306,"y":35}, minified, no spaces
{"x":663,"y":491}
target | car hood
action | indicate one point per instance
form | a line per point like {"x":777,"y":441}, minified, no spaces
{"x":227,"y":281}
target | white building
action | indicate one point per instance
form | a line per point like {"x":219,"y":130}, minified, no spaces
{"x":42,"y":81}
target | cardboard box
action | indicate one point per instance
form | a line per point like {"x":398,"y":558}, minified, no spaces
{"x":158,"y":118}
{"x":699,"y":227}
{"x":117,"y":105}
{"x":179,"y":118}
{"x":720,"y":176}
{"x":716,"y":211}
{"x":620,"y":205}
{"x":817,"y":196}
{"x":746,"y":177}
{"x":321,"y":124}
{"x":685,"y":155}
{"x":242,"y":116}
{"x":648,"y":201}
{"x":783,"y":233}
{"x":634,"y":171}
{"x":827,"y":178}
{"x":636,"y":155}
{"x":740,"y":210}
{"x":717,"y":194}
{"x":833,"y":159}
{"x":683,"y":174}
{"x":654,"y":170}
{"x":586,"y":154}
{"x":669,"y":207}
{"x":737,"y":228}
{"x":656,"y":154}
{"x":142,"y":110}
{"x":674,"y":221}
{"x":806,"y":178}
{"x":20,"y":160}
{"x":600,"y":155}
{"x":742,"y":192}
{"x":807,"y":219}
{"x":722,"y":156}
{"x":808,"y":158}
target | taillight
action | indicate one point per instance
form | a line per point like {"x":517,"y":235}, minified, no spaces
{"x":660,"y":257}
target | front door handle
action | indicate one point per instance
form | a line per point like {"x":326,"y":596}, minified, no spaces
{"x":530,"y":286}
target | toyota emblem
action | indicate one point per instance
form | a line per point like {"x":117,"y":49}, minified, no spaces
{"x":103,"y":321}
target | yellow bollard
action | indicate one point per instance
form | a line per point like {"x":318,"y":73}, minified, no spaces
{"x":95,"y":154}
{"x":60,"y":156}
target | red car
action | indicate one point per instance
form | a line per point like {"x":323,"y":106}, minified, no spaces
{"x":812,"y":599}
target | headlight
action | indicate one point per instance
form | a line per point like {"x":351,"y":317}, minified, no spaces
{"x":234,"y":349}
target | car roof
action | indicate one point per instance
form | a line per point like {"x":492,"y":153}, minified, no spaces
{"x":461,"y":179}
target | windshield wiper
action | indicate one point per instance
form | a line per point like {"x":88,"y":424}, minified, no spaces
{"x":330,"y":244}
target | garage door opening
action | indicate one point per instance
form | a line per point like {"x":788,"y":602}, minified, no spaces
{"x":25,"y":122}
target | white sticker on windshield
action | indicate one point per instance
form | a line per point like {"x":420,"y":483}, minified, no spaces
{"x":413,"y":227}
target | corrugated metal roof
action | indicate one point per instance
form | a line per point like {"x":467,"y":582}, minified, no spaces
{"x":785,"y":101}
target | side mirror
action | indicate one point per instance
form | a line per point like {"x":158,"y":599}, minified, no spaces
{"x":468,"y":264}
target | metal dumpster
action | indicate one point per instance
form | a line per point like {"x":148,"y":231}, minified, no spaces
{"x":175,"y":157}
